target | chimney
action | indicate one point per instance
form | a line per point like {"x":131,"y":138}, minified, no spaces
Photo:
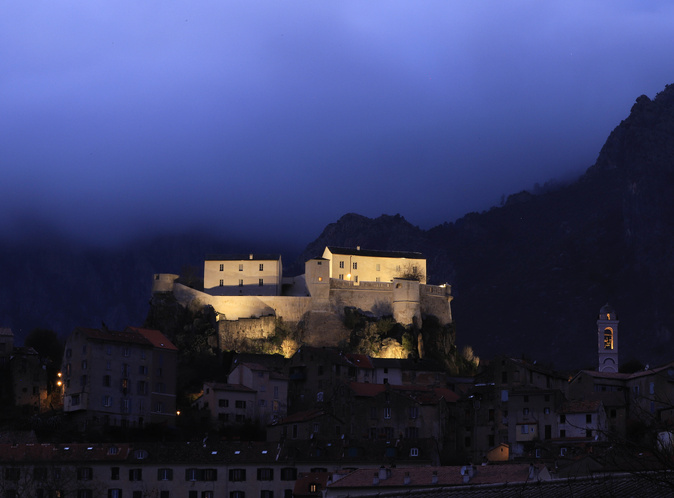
{"x":532,"y":471}
{"x":434,"y":477}
{"x":250,"y":256}
{"x":407,"y":479}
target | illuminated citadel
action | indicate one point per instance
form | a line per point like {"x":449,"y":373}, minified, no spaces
{"x":249,"y":292}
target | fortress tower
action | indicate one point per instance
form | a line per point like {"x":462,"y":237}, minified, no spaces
{"x":607,"y":339}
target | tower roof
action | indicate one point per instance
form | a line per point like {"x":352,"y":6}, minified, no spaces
{"x":608,"y":309}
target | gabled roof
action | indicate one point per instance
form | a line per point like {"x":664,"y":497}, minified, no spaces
{"x":155,"y":337}
{"x":221,"y":386}
{"x":127,"y":336}
{"x":352,"y":251}
{"x":446,"y":476}
{"x":360,"y":360}
{"x":243,"y":257}
{"x":577,"y":406}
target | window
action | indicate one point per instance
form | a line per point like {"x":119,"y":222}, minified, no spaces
{"x":107,"y":401}
{"x":414,"y":452}
{"x":141,"y":387}
{"x":387,"y":412}
{"x":165,"y":474}
{"x":562,"y":433}
{"x":84,"y":364}
{"x":588,"y":433}
{"x":265,"y":474}
{"x":75,"y":400}
{"x":240,"y":404}
{"x":525,"y":411}
{"x":261,"y":266}
{"x":546,"y":410}
{"x":160,"y":387}
{"x":135,"y":474}
{"x":588,"y":418}
{"x":265,"y":493}
{"x":137,"y":494}
{"x":164,"y":494}
{"x":209,"y":474}
{"x":207,"y":494}
{"x":240,"y":282}
{"x":85,"y":493}
{"x":288,"y":474}
{"x":377,"y":267}
{"x":106,"y":381}
{"x":223,"y":403}
{"x":191,"y":474}
{"x":222,"y":283}
{"x":222,"y":267}
{"x":355,"y":265}
{"x":341,"y":276}
{"x":414,"y":411}
{"x":115,"y":493}
{"x":562,"y":419}
{"x":159,"y":407}
{"x":261,"y":282}
{"x":114,"y":473}
{"x":411,"y":432}
{"x":237,"y":475}
{"x":125,"y":405}
{"x":12,"y":474}
{"x":84,"y":473}
{"x":275,"y":392}
{"x":524,"y":429}
{"x":341,"y":264}
{"x":237,"y":494}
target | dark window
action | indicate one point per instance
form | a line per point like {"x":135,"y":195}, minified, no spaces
{"x":588,"y":418}
{"x":12,"y":474}
{"x":240,"y":404}
{"x":165,"y":474}
{"x":85,"y":493}
{"x":237,"y":475}
{"x":114,"y":493}
{"x":265,"y":474}
{"x":84,"y":473}
{"x":135,"y":474}
{"x":223,"y":403}
{"x":289,"y":474}
{"x":114,"y":473}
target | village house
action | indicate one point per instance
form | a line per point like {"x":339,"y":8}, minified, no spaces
{"x":119,"y":378}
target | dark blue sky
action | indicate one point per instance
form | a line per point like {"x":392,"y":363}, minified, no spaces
{"x":276,"y":118}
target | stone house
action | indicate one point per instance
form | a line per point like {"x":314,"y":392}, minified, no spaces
{"x":119,"y":378}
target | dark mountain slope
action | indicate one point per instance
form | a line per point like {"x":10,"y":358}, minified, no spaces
{"x":530,"y":277}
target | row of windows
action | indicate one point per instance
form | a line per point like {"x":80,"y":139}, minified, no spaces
{"x":260,"y":282}
{"x":126,"y":351}
{"x":13,"y":474}
{"x":222,"y":267}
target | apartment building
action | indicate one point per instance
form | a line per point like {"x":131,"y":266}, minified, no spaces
{"x":119,"y":378}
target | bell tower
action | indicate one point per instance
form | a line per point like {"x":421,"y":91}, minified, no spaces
{"x":607,"y":339}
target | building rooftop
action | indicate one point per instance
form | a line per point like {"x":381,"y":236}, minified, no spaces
{"x":353,"y":251}
{"x":243,"y":257}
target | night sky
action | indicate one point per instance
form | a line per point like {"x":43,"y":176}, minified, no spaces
{"x":272,"y":119}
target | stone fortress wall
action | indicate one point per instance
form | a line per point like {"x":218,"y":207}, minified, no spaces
{"x":406,"y":300}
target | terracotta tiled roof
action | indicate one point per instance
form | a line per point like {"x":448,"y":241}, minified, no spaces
{"x":302,"y":417}
{"x":156,"y":338}
{"x":423,"y":476}
{"x":63,"y":452}
{"x":360,"y":360}
{"x":580,"y":406}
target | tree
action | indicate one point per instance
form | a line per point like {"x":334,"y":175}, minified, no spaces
{"x":412,"y":272}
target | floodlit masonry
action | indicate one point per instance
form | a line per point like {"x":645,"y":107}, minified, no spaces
{"x":380,"y":283}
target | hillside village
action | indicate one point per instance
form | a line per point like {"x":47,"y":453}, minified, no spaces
{"x":332,"y":412}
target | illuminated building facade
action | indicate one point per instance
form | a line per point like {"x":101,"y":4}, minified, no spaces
{"x":356,"y":265}
{"x":243,"y":275}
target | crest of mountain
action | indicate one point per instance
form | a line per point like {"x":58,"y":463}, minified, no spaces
{"x":530,"y":277}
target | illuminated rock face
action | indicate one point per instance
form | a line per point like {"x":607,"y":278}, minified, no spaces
{"x":607,"y":339}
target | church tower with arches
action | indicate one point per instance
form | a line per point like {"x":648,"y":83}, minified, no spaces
{"x":607,"y":339}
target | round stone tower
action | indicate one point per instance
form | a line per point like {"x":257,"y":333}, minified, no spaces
{"x":607,"y":339}
{"x":406,"y":301}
